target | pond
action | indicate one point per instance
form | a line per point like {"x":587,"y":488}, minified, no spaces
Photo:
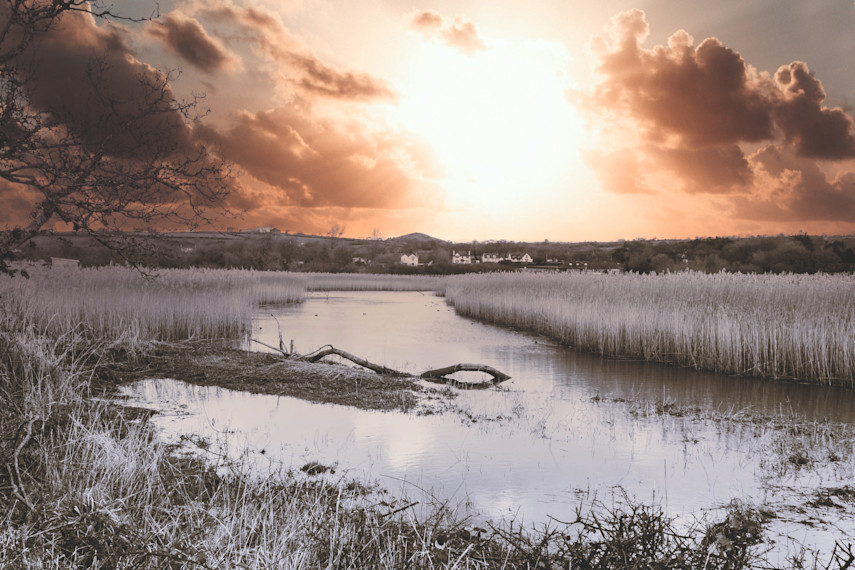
{"x":567,"y":429}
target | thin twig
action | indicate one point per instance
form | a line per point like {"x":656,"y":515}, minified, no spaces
{"x":18,"y":488}
{"x":285,"y":354}
{"x":398,"y":510}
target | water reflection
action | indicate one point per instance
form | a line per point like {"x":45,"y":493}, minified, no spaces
{"x":417,"y":331}
{"x":536,"y":462}
{"x":552,"y":437}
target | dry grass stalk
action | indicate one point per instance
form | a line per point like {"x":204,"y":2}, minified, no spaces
{"x":776,"y":326}
{"x":120,"y":303}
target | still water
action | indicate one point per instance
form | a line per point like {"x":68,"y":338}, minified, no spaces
{"x":566,"y":430}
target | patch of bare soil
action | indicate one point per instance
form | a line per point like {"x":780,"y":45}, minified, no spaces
{"x":214,"y":363}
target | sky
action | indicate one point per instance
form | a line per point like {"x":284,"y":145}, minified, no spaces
{"x":497,"y":119}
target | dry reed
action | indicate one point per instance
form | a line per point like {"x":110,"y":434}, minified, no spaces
{"x":86,"y":485}
{"x":118,"y":302}
{"x":776,"y":326}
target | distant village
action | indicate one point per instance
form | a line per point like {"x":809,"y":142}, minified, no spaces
{"x":460,"y":258}
{"x":268,"y":248}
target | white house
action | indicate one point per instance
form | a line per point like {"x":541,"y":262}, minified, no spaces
{"x":458,"y":257}
{"x":410,"y":259}
{"x":491,"y":258}
{"x":520,"y":258}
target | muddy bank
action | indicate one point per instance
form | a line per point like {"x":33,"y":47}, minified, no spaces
{"x":214,"y":363}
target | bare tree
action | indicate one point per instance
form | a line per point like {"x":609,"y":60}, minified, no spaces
{"x":336,"y":231}
{"x":120,"y":150}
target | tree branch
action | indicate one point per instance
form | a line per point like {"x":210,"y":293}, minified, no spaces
{"x":438,"y":375}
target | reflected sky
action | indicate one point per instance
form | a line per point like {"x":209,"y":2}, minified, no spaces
{"x":536,"y":448}
{"x":417,"y":331}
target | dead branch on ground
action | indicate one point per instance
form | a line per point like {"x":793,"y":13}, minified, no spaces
{"x":437,"y":375}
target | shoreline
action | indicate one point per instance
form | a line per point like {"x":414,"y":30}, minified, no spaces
{"x":127,"y":498}
{"x":794,"y":456}
{"x":216,"y":363}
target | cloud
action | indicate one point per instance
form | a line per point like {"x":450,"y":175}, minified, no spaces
{"x":428,"y":21}
{"x":681,"y":95}
{"x":460,"y":34}
{"x":814,"y":130}
{"x":312,"y":162}
{"x":186,"y":37}
{"x":114,"y":117}
{"x":17,"y":203}
{"x":305,"y":71}
{"x":715,"y":169}
{"x":794,"y":188}
{"x":689,"y":120}
{"x":90,"y":82}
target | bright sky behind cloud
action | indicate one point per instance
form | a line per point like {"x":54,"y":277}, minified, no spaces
{"x":497,"y":119}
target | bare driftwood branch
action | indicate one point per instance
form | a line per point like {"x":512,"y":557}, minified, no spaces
{"x":497,"y":375}
{"x":356,"y":360}
{"x":438,"y":375}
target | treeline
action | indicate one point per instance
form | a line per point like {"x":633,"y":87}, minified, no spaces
{"x":799,"y":253}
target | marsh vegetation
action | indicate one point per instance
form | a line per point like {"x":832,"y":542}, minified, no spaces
{"x":89,"y":484}
{"x":798,"y":327}
{"x":123,"y":303}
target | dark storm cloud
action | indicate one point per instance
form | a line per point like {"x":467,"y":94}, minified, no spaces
{"x":815,"y":130}
{"x":685,"y":114}
{"x":97,"y":104}
{"x":704,"y":96}
{"x":797,"y":189}
{"x":461,"y":34}
{"x":86,"y":77}
{"x":304,"y":70}
{"x":318,"y":163}
{"x":186,"y":37}
{"x":716,"y":169}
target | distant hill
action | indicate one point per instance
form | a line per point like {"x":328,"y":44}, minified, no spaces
{"x":417,"y":236}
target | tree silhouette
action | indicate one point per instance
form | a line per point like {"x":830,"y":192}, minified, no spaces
{"x":94,"y":138}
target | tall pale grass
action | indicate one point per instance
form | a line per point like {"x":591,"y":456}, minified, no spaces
{"x":106,"y":492}
{"x":120,"y":303}
{"x":777,"y":326}
{"x":371,"y":282}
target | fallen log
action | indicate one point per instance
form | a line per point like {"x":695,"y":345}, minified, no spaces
{"x":497,"y":375}
{"x":314,"y":357}
{"x":437,"y":375}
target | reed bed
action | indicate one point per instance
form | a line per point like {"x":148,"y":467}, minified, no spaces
{"x":371,"y":282}
{"x":119,"y":302}
{"x":87,"y":484}
{"x":775,"y":326}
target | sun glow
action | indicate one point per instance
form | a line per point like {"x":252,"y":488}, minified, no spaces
{"x":498,"y":118}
